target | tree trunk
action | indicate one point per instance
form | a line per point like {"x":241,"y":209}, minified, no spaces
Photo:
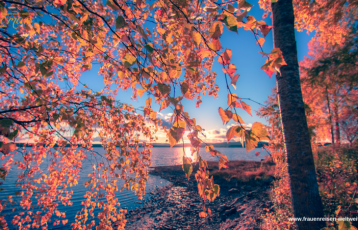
{"x":336,"y":120}
{"x":330,"y":116}
{"x":305,"y":197}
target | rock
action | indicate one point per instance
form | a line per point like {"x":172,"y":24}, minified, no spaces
{"x":234,"y":190}
{"x":234,"y":201}
{"x":180,"y":183}
{"x":230,"y":211}
{"x":223,"y":207}
{"x":251,"y":194}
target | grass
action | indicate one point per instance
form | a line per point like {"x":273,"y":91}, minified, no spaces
{"x":243,"y":171}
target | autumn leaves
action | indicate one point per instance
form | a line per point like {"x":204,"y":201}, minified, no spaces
{"x":5,"y":126}
{"x":234,"y":18}
{"x":258,"y":131}
{"x":249,"y":137}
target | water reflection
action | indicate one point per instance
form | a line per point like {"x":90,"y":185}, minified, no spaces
{"x":174,"y":156}
{"x":188,"y":153}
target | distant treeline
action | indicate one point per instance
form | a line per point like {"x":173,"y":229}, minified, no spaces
{"x":159,"y":145}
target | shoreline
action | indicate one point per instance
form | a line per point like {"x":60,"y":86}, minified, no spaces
{"x":162,"y":145}
{"x":244,"y":195}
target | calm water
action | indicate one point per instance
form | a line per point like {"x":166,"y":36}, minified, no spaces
{"x":160,"y":157}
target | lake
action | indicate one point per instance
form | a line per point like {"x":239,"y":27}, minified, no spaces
{"x":160,"y":157}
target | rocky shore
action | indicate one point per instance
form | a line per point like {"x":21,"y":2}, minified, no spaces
{"x":244,"y":197}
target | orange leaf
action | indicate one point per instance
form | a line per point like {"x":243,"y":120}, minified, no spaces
{"x":225,"y":57}
{"x":228,"y":113}
{"x":232,"y":101}
{"x":153,"y":115}
{"x":164,"y":89}
{"x":164,"y":104}
{"x":148,"y":102}
{"x":234,"y":80}
{"x":230,"y":70}
{"x":59,"y":3}
{"x":231,"y":133}
{"x":85,"y":68}
{"x":141,"y":91}
{"x":237,"y":118}
{"x":146,"y":112}
{"x":209,"y":211}
{"x":161,"y":31}
{"x":196,"y":37}
{"x":214,"y":152}
{"x":246,"y":107}
{"x":175,"y":101}
{"x":178,"y":109}
{"x":174,"y":135}
{"x":195,"y":142}
{"x":260,"y":41}
{"x":203,"y":214}
{"x":186,"y":91}
{"x":207,"y":148}
{"x":223,"y":116}
{"x":204,"y":53}
{"x":269,"y":71}
{"x":6,"y":148}
{"x":58,"y":213}
{"x":223,"y":163}
{"x":265,"y":29}
{"x":179,"y":124}
{"x":231,"y":98}
{"x":237,"y":104}
{"x":215,"y":45}
{"x":259,"y":131}
{"x":216,"y":30}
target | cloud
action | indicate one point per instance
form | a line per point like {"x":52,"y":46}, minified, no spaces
{"x":215,"y":132}
{"x":166,"y":123}
{"x":216,"y":140}
{"x":247,"y":126}
{"x":219,"y":135}
{"x":168,"y":115}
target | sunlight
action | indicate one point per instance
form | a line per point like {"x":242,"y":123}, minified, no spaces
{"x":188,"y":154}
{"x":186,"y":139}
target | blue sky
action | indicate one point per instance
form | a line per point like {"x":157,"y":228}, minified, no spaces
{"x":253,"y":82}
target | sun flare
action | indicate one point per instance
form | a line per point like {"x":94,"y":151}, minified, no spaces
{"x":188,"y":153}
